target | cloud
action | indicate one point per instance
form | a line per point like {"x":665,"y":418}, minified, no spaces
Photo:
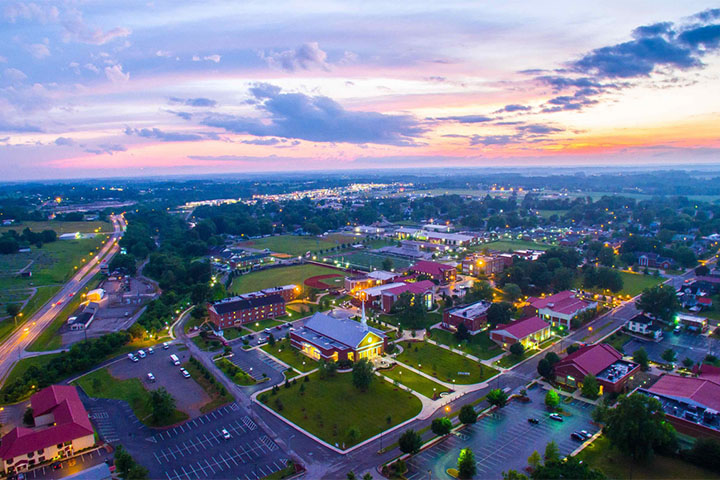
{"x":116,"y":75}
{"x":515,"y":108}
{"x":38,"y":50}
{"x":106,"y":148}
{"x":305,"y":57}
{"x":76,"y":29}
{"x":210,"y":58}
{"x":162,"y":135}
{"x":707,"y":37}
{"x":524,"y":133}
{"x":64,"y":141}
{"x":261,"y":141}
{"x":13,"y":75}
{"x":467,"y":119}
{"x":183,"y":115}
{"x":12,"y":127}
{"x":317,"y":119}
{"x":538,"y":129}
{"x":194,"y":102}
{"x":31,"y":11}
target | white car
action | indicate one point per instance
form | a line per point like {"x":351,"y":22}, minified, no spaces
{"x":134,"y":358}
{"x":225,"y":434}
{"x":166,"y":345}
{"x":141,"y":354}
{"x":185,"y":373}
{"x":150,"y":350}
{"x":150,"y":377}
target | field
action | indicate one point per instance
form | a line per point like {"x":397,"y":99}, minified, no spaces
{"x":479,"y":345}
{"x":287,"y":354}
{"x":273,"y":277}
{"x":505,"y":245}
{"x":615,"y":465}
{"x":290,"y":244}
{"x":634,"y":284}
{"x":101,"y":384}
{"x":443,"y":364}
{"x":262,"y":325}
{"x":322,"y":409}
{"x":60,"y":227}
{"x":371,"y":261}
{"x":23,"y":365}
{"x":410,"y":379}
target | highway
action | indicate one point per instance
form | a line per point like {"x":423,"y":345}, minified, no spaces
{"x":14,"y":346}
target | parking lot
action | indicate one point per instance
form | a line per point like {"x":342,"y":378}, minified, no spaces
{"x":504,"y":440}
{"x":689,"y":345}
{"x":189,"y":396}
{"x":256,"y":363}
{"x":260,"y":338}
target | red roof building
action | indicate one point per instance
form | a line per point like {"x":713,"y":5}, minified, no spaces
{"x":62,"y":428}
{"x":424,"y":288}
{"x":559,"y":309}
{"x":439,"y":272}
{"x":473,"y":316}
{"x":530,"y":332}
{"x":600,"y":360}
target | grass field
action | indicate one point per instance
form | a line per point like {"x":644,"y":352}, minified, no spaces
{"x":615,"y":465}
{"x":323,"y":409}
{"x":263,"y":324}
{"x":634,"y":284}
{"x":50,"y":339}
{"x":370,"y":261}
{"x":443,"y":364}
{"x":410,"y":379}
{"x":479,"y":345}
{"x":290,"y":244}
{"x":60,"y":227}
{"x":285,"y":352}
{"x":234,"y":373}
{"x":618,"y":340}
{"x":103,"y":385}
{"x":511,"y":245}
{"x":23,"y":365}
{"x":273,"y":277}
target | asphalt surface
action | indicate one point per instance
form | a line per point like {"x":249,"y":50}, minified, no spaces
{"x":686,"y":345}
{"x":14,"y":346}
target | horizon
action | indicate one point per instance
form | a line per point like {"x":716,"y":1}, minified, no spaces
{"x":167,"y":88}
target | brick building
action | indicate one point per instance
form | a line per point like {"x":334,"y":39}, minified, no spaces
{"x":473,"y":316}
{"x":559,"y":309}
{"x":530,"y":332}
{"x":239,"y":311}
{"x":600,"y":360}
{"x":441,"y":273}
{"x":424,"y":288}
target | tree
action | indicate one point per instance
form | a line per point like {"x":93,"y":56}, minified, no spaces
{"x":640,"y":356}
{"x":124,"y":262}
{"x":28,"y":418}
{"x":545,"y":369}
{"x":479,"y":291}
{"x":497,"y":398}
{"x":552,"y":452}
{"x":669,"y":355}
{"x":534,"y":460}
{"x":511,"y":292}
{"x":271,"y":340}
{"x":367,"y":476}
{"x":705,"y":453}
{"x":351,"y":475}
{"x":590,"y":387}
{"x":552,"y":399}
{"x":466,"y":464}
{"x":410,"y":441}
{"x":702,"y":271}
{"x":573,"y":348}
{"x":12,"y":309}
{"x":162,"y":404}
{"x":387,"y":264}
{"x":200,"y":293}
{"x":514,"y":475}
{"x":637,"y":425}
{"x":138,"y":472}
{"x":499,"y":313}
{"x":362,"y":374}
{"x":659,"y":301}
{"x":517,"y":349}
{"x":569,"y":468}
{"x":552,"y":358}
{"x":441,"y":426}
{"x":462,"y":333}
{"x":467,"y":414}
{"x":123,"y":461}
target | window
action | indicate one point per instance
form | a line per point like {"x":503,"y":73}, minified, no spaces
{"x":40,"y":451}
{"x":59,"y":446}
{"x":31,"y":454}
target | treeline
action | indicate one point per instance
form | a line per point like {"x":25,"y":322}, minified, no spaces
{"x":555,"y":270}
{"x":12,"y":242}
{"x":81,"y":357}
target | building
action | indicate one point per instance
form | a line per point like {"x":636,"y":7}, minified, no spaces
{"x":372,"y":297}
{"x":644,"y":326}
{"x":559,"y":309}
{"x":444,"y":238}
{"x":653,"y":260}
{"x":62,"y":429}
{"x":424,"y":288}
{"x":473,"y":316}
{"x":95,"y":295}
{"x":692,"y":322}
{"x":377,"y":277}
{"x":368,"y":230}
{"x":483,"y":264}
{"x":530,"y":332}
{"x":439,"y":272}
{"x":328,"y":338}
{"x":600,"y":360}
{"x":239,"y":311}
{"x":691,"y":404}
{"x":287,"y":292}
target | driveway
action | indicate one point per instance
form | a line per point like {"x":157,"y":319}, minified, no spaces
{"x":504,"y":440}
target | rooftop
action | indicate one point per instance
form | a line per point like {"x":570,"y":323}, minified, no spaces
{"x":414,"y":288}
{"x":237,"y":303}
{"x":592,"y":359}
{"x":473,"y":310}
{"x":617,"y":371}
{"x":563,"y":302}
{"x":522,"y":328}
{"x":345,"y":331}
{"x":431,"y":268}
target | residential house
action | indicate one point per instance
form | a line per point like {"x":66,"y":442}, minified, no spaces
{"x":643,"y":325}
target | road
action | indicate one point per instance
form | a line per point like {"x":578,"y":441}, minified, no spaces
{"x":14,"y":346}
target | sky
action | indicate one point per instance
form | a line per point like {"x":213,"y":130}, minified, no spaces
{"x":168,"y":87}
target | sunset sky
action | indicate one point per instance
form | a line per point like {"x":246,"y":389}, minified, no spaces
{"x":108,"y":88}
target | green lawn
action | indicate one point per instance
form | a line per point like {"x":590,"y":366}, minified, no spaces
{"x":634,"y":284}
{"x":324,"y":408}
{"x":22,"y":366}
{"x":59,"y":227}
{"x":206,"y":345}
{"x":443,"y":364}
{"x":617,"y":340}
{"x":285,"y":352}
{"x":232,"y":333}
{"x":615,"y":465}
{"x":479,"y":345}
{"x":103,"y":385}
{"x":410,"y":379}
{"x":263,"y":324}
{"x":50,"y":339}
{"x":509,"y":361}
{"x":505,"y":245}
{"x":290,"y":244}
{"x":273,"y":277}
{"x":219,"y":396}
{"x":235,"y":373}
{"x":370,"y":261}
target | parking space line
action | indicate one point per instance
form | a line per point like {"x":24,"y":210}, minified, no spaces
{"x":209,"y":466}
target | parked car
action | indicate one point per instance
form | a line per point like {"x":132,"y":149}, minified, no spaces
{"x":141,"y":354}
{"x":577,"y":436}
{"x":130,"y":356}
{"x":150,"y":377}
{"x":134,"y":358}
{"x":533,"y":421}
{"x":150,"y":350}
{"x":557,"y":417}
{"x":57,"y":466}
{"x":225,"y":434}
{"x":677,"y":329}
{"x":166,"y":345}
{"x":586,"y":434}
{"x":279,"y":327}
{"x":267,"y":330}
{"x":185,"y":373}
